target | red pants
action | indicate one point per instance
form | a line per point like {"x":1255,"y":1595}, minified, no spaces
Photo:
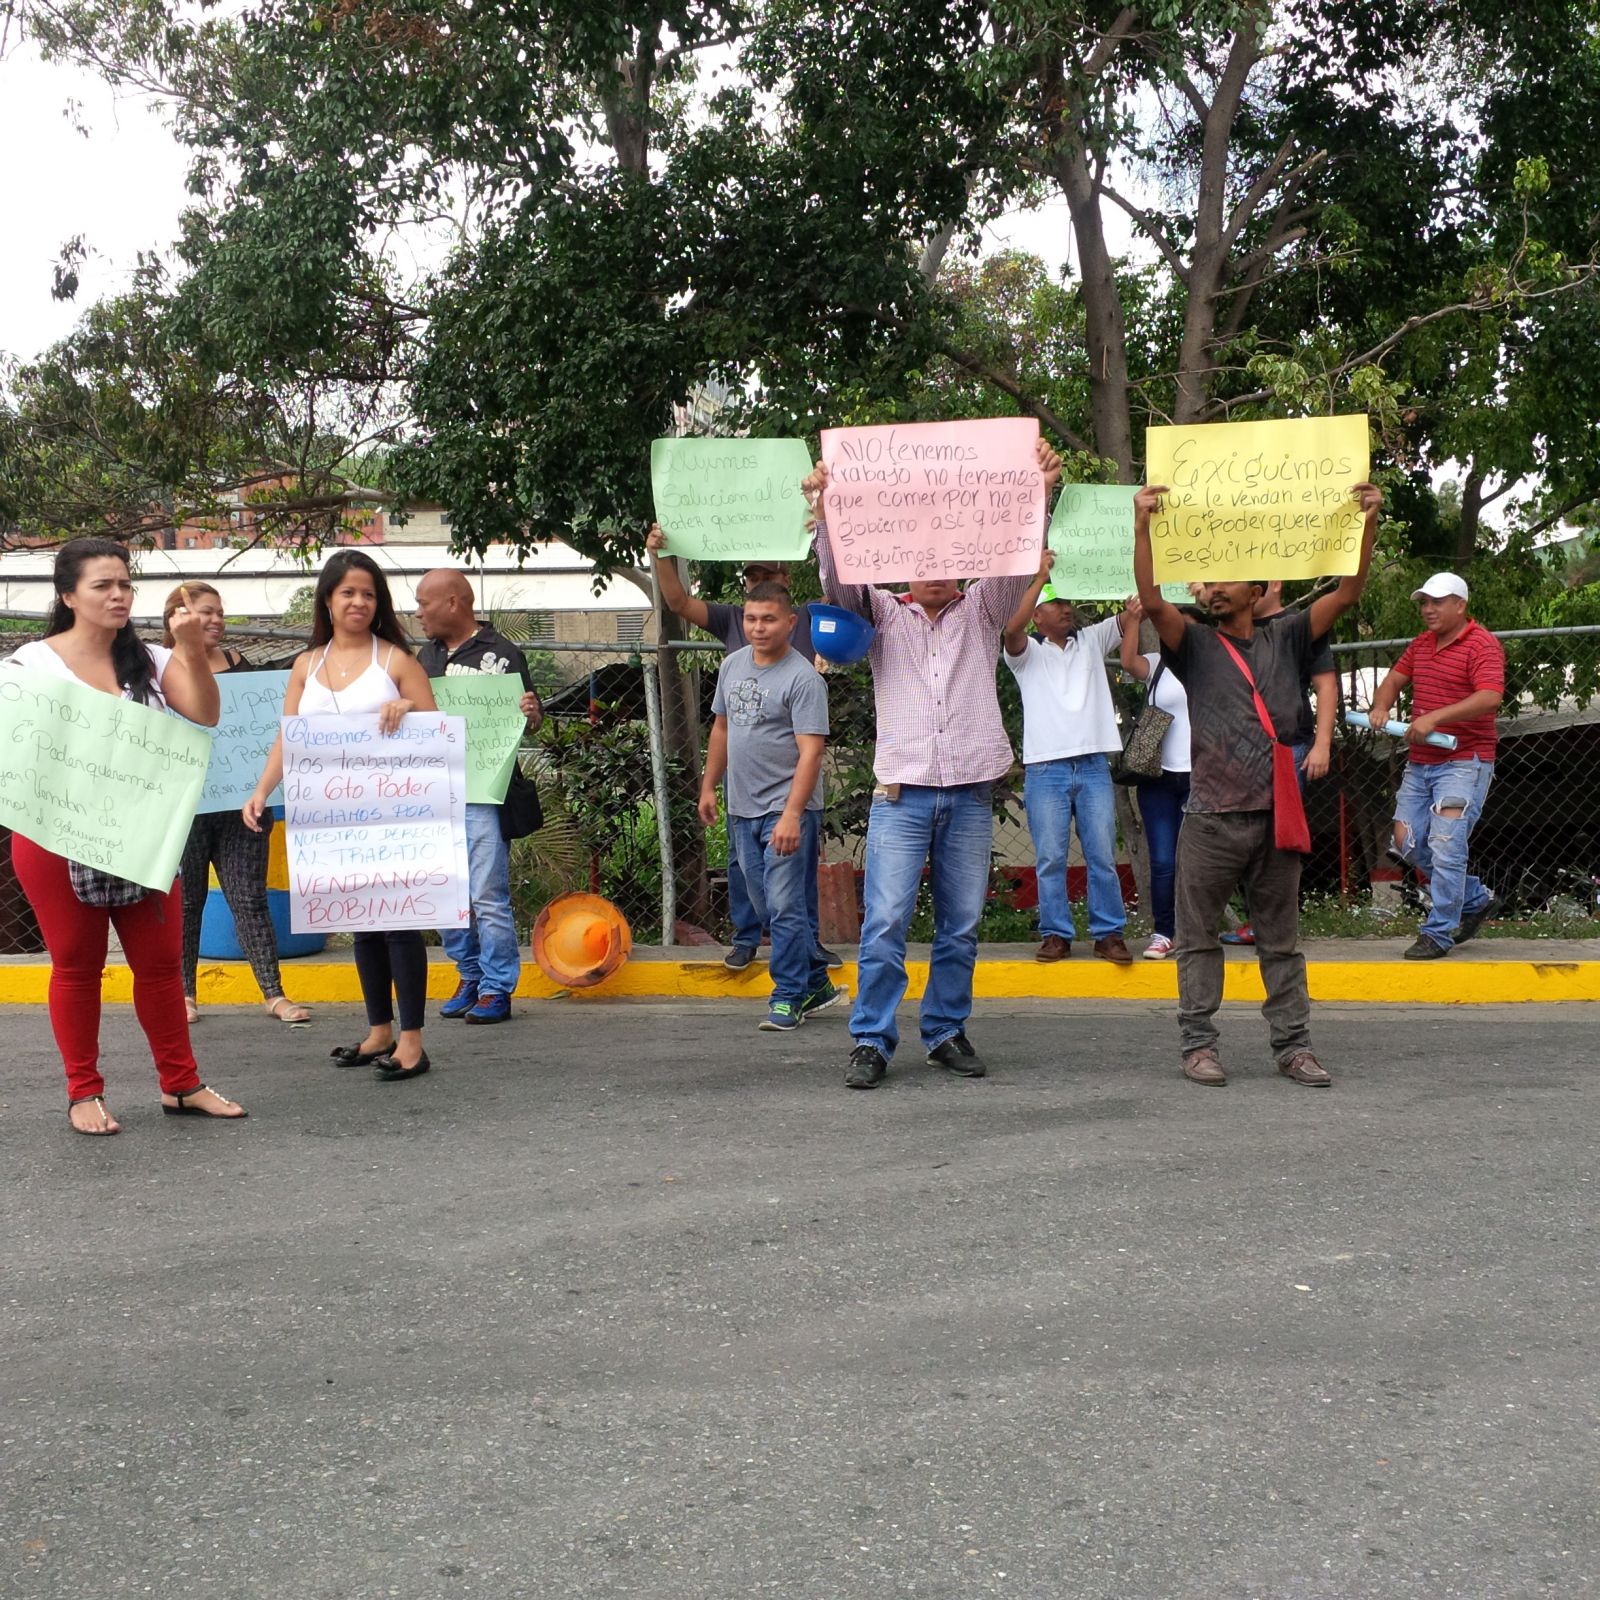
{"x":76,"y":936}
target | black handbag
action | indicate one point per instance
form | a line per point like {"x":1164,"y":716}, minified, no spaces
{"x":520,"y":811}
{"x":1140,"y":757}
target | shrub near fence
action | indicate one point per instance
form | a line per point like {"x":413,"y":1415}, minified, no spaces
{"x":1538,"y":844}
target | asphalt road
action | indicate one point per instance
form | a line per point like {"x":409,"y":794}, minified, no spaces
{"x":632,"y":1300}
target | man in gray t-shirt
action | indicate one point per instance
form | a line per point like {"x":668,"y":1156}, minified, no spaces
{"x":771,"y":725}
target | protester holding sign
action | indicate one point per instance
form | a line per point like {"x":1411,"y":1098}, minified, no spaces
{"x":941,"y":746}
{"x":220,"y":839}
{"x":487,"y":957}
{"x":1068,"y":726}
{"x":341,"y":674}
{"x":90,"y":640}
{"x":1244,"y":825}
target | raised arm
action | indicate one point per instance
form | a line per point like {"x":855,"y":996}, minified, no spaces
{"x":860,"y":598}
{"x":188,"y":685}
{"x":664,"y":567}
{"x":1327,"y":609}
{"x":999,"y":598}
{"x":1168,"y":620}
{"x":1016,"y":634}
{"x":1132,"y":656}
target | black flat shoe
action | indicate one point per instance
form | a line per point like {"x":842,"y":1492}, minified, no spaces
{"x":390,"y":1071}
{"x":352,"y":1055}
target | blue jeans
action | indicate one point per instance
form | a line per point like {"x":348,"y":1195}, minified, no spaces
{"x":1436,"y":845}
{"x":1053,"y":791}
{"x":486,"y":952}
{"x":953,"y":830}
{"x":749,"y":925}
{"x":778,"y":894}
{"x":1161,"y":806}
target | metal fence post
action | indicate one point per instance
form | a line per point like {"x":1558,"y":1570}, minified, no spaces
{"x":658,"y":777}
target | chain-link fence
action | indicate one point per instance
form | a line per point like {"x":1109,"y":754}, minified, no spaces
{"x":619,"y":757}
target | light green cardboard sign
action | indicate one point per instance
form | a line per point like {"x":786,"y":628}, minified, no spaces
{"x":1091,"y":532}
{"x":731,"y":499}
{"x":97,"y":779}
{"x":488,"y":701}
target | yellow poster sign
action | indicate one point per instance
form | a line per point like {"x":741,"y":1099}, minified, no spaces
{"x":1257,"y":499}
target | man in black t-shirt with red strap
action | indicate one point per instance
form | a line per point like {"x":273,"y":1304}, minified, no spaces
{"x":1237,"y":830}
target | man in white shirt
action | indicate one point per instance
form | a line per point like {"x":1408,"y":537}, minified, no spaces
{"x":1069,"y":725}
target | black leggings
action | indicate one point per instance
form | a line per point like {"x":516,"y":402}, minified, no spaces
{"x":397,"y":961}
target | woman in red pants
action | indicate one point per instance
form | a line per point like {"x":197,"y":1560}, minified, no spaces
{"x":91,"y":639}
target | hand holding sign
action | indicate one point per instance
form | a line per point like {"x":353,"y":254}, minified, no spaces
{"x":1253,"y":500}
{"x":936,"y":499}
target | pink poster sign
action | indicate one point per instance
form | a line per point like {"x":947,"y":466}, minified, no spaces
{"x":934,"y":500}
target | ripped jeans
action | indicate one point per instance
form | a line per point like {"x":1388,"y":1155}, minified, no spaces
{"x":1436,"y":844}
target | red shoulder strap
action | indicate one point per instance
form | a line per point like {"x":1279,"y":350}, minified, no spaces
{"x":1261,"y":705}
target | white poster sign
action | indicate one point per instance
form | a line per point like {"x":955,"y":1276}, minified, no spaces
{"x":377,"y":823}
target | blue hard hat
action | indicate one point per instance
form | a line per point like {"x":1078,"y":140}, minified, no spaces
{"x":839,"y":635}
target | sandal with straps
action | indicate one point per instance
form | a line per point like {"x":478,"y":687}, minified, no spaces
{"x":287,"y":1012}
{"x":182,"y":1110}
{"x":105,"y":1130}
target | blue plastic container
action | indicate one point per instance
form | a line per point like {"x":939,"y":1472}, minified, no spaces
{"x":839,"y":635}
{"x":219,"y":941}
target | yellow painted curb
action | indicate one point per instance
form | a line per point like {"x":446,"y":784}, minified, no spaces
{"x":1382,"y":982}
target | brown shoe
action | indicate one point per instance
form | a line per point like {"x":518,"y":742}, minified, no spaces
{"x":1203,"y":1066}
{"x":1055,"y":948}
{"x":1304,"y":1068}
{"x":1114,"y":948}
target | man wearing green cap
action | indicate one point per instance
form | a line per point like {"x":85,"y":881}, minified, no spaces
{"x":1069,"y":725}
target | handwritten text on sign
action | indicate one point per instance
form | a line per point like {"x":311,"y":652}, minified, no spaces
{"x":252,"y":706}
{"x":934,"y":500}
{"x":377,"y":835}
{"x":489,"y":703}
{"x":731,"y":499}
{"x":1091,"y":533}
{"x":1258,"y":499}
{"x":97,"y":779}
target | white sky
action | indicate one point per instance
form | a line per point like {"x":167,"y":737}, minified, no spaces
{"x":122,"y":188}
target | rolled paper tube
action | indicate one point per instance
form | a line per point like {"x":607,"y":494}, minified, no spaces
{"x":1359,"y":719}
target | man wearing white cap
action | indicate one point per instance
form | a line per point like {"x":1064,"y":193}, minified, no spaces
{"x":1457,"y":672}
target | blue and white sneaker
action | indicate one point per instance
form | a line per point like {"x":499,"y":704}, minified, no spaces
{"x":461,"y":1002}
{"x":783,"y":1016}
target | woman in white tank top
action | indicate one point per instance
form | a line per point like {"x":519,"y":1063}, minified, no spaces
{"x":360,"y":661}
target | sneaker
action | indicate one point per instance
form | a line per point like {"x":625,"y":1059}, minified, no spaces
{"x":1204,"y":1066}
{"x":1243,"y":934}
{"x":461,"y":1002}
{"x":1054,"y":948}
{"x":957,"y":1055}
{"x":1426,"y":950}
{"x":490,"y":1008}
{"x":740,"y":957}
{"x":783,"y":1016}
{"x":830,"y":994}
{"x":1159,"y":948}
{"x":867,"y":1068}
{"x":1303,"y":1067}
{"x":829,"y":958}
{"x":1476,"y":919}
{"x":1114,"y":948}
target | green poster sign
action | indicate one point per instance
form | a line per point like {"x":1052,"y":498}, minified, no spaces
{"x":1091,"y":532}
{"x":731,"y":499}
{"x":97,"y":779}
{"x":488,"y":701}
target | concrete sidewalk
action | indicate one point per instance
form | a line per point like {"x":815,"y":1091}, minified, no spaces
{"x":1360,"y":971}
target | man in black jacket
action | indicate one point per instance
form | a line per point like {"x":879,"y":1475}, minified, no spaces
{"x":487,"y":955}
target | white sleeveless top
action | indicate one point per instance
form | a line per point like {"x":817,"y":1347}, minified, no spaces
{"x":43,"y":658}
{"x":374,"y":688}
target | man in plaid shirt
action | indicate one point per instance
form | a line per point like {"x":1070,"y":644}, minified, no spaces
{"x":940,"y":748}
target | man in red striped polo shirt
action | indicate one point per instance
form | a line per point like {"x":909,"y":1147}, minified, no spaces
{"x":1457,"y":672}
